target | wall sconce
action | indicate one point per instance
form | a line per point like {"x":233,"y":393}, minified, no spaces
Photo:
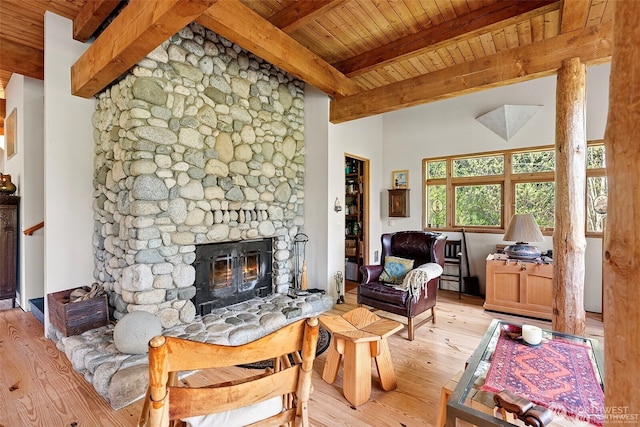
{"x":336,"y":206}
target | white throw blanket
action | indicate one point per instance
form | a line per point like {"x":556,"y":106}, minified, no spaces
{"x":417,"y":279}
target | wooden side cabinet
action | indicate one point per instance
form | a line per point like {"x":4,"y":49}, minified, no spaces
{"x":399,"y":203}
{"x":9,"y":247}
{"x":519,"y":287}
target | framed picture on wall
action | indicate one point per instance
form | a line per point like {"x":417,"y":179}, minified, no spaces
{"x":10,"y":136}
{"x":400,"y":179}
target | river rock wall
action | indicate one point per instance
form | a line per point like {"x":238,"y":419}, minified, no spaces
{"x":201,"y":142}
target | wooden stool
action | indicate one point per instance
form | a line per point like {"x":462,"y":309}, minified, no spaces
{"x":358,"y":336}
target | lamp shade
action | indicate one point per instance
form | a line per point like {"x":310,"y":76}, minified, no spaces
{"x":522,"y":230}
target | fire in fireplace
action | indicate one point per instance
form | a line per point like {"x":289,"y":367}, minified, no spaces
{"x":231,"y":272}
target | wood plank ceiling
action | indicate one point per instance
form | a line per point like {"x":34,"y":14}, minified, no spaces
{"x":369,"y":56}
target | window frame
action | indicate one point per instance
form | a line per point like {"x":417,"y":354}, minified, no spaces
{"x":475,"y":182}
{"x":508,"y":182}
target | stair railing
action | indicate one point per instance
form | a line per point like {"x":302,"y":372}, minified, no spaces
{"x":29,"y":231}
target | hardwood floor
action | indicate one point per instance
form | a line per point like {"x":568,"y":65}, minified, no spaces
{"x":38,"y":386}
{"x":350,"y":285}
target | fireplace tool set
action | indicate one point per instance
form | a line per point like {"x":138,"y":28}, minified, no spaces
{"x":300,"y":284}
{"x":339,"y":278}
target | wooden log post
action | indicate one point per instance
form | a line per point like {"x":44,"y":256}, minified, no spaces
{"x":569,"y":241}
{"x":621,"y":254}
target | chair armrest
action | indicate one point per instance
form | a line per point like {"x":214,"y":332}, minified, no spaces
{"x":370,"y":273}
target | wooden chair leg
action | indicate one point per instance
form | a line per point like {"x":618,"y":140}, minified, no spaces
{"x":144,"y":415}
{"x":384,"y":365}
{"x":332,"y":363}
{"x":410,"y":327}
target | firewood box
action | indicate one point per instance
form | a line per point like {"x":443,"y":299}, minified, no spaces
{"x":73,"y":318}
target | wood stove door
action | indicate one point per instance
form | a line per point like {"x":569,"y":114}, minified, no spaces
{"x":233,"y":272}
{"x":221,"y":275}
{"x":249,"y":270}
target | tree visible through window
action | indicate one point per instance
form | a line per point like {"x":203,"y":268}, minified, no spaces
{"x":478,"y":205}
{"x":484,"y":190}
{"x":596,"y":188}
{"x":478,"y":166}
{"x":537,"y":198}
{"x":436,"y":202}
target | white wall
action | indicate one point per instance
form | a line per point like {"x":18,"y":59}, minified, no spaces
{"x":14,"y":93}
{"x":326,"y":145}
{"x":26,"y":169}
{"x":363,"y":139}
{"x":68,"y":165}
{"x":318,"y":206}
{"x":449,"y":127}
{"x":32,"y":212}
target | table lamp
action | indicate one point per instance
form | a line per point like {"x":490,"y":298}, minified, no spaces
{"x":523,"y":229}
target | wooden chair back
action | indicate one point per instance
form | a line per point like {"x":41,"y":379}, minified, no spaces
{"x":420,"y":246}
{"x":453,"y":263}
{"x":453,"y":251}
{"x":167,"y":401}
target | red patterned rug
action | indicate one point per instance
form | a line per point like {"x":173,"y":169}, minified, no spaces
{"x":558,"y":375}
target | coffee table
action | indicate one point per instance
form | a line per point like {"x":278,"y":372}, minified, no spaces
{"x":469,"y":403}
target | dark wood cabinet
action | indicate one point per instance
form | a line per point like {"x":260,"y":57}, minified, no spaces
{"x":9,"y":247}
{"x":399,"y":203}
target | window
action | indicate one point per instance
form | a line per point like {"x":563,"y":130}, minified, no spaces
{"x":596,"y":188}
{"x":537,"y":198}
{"x":534,"y":161}
{"x":478,"y":166}
{"x":483,"y":190}
{"x":532,"y":173}
{"x":436,"y":201}
{"x":476,"y":205}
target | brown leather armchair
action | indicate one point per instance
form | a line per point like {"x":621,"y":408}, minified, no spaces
{"x":422,"y":247}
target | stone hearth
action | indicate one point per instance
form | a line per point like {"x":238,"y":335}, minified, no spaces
{"x":122,"y":378}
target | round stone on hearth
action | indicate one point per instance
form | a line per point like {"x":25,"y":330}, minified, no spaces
{"x":132,"y":333}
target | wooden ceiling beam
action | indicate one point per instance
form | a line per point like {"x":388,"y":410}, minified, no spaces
{"x":483,"y":20}
{"x":141,"y":27}
{"x":92,"y":14}
{"x":592,"y":45}
{"x":573,"y":15}
{"x":235,"y":21}
{"x":22,"y":59}
{"x":299,"y":13}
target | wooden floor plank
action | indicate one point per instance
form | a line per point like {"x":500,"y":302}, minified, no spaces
{"x":38,"y":386}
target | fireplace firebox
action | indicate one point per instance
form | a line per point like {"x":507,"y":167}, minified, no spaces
{"x":231,"y":272}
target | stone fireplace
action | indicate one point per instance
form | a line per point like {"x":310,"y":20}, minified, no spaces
{"x":202,"y":142}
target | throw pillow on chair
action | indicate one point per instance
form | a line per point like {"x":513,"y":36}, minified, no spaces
{"x":395,"y":268}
